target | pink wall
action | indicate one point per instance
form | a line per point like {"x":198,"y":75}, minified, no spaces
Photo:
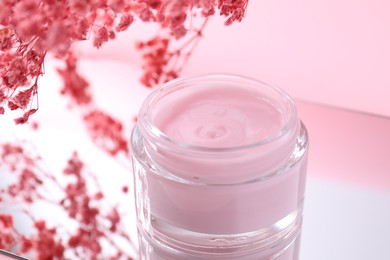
{"x":325,"y":51}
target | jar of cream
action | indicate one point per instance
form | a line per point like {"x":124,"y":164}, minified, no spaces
{"x":219,"y":171}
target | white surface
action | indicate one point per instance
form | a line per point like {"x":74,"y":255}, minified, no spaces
{"x":343,"y":222}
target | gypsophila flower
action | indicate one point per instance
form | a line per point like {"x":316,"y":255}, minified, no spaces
{"x":81,"y":205}
{"x":29,"y":30}
{"x":106,"y":132}
{"x":75,"y":86}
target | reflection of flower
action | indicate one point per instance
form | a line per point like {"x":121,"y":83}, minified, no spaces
{"x":80,"y":199}
{"x":29,"y":30}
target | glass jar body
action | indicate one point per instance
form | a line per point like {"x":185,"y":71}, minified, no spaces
{"x":190,"y":218}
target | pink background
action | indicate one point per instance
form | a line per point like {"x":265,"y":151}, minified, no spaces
{"x":323,"y":52}
{"x":326,"y":51}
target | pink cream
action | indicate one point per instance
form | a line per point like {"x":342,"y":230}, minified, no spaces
{"x":220,"y":117}
{"x":220,"y":164}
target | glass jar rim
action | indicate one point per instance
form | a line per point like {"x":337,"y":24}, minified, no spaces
{"x":152,"y":132}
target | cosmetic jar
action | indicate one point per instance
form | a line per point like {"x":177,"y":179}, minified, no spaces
{"x":219,"y":165}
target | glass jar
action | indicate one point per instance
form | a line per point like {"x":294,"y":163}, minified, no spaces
{"x":219,"y":171}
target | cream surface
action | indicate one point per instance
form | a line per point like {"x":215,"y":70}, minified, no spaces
{"x":222,"y":116}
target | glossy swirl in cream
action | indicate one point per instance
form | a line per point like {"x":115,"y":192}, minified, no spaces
{"x":220,"y":117}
